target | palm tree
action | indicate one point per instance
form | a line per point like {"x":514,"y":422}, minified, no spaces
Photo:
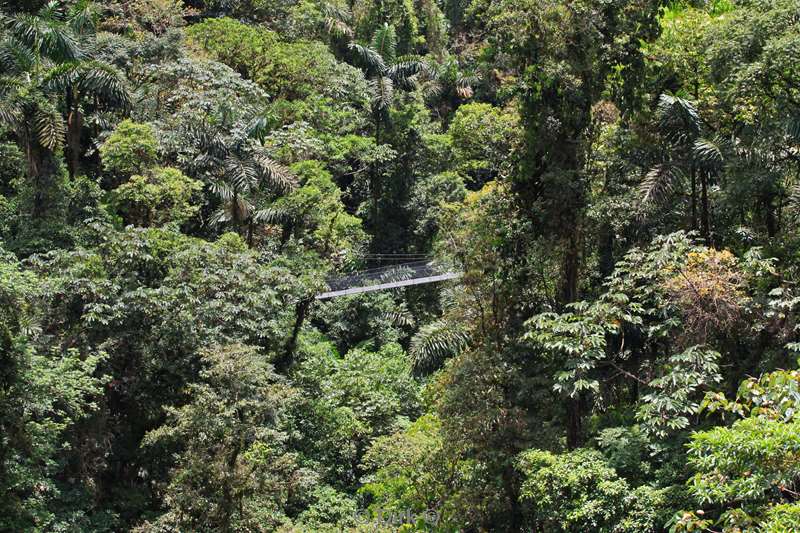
{"x":385,"y":71}
{"x":445,"y":85}
{"x":240,"y":173}
{"x":687,"y":153}
{"x":47,"y":80}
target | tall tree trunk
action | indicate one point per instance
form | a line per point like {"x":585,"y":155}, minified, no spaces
{"x":569,"y":294}
{"x":570,"y":267}
{"x":42,"y":167}
{"x":301,"y":311}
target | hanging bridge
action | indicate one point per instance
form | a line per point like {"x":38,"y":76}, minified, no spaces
{"x":408,"y":270}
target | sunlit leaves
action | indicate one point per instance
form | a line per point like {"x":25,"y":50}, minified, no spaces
{"x":676,"y":394}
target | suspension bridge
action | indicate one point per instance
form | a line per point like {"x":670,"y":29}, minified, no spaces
{"x":408,"y":270}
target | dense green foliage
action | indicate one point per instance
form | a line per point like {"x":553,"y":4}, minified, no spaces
{"x":618,"y":181}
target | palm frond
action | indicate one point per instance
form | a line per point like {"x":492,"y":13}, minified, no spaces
{"x":105,"y":82}
{"x":271,"y":215}
{"x":662,"y":180}
{"x":222,"y":189}
{"x":275,"y":174}
{"x":794,"y":201}
{"x":384,"y":41}
{"x":82,"y":18}
{"x":236,"y":210}
{"x":92,"y":78}
{"x":464,"y":86}
{"x":219,"y":217}
{"x":258,"y":127}
{"x":432,"y":90}
{"x":46,"y":35}
{"x":14,"y":57}
{"x":402,"y":72}
{"x":372,"y":60}
{"x":12,"y":109}
{"x":708,"y":153}
{"x":399,"y":318}
{"x":382,"y":89}
{"x":241,"y":209}
{"x":49,"y":126}
{"x":241,"y":174}
{"x":793,"y":128}
{"x":435,"y":342}
{"x":679,"y":119}
{"x":337,"y":20}
{"x":206,"y":138}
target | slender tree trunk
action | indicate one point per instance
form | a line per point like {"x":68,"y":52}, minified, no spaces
{"x":706,"y":217}
{"x":693,"y":175}
{"x":769,"y":216}
{"x":74,"y":126}
{"x":606,"y":250}
{"x":375,"y":178}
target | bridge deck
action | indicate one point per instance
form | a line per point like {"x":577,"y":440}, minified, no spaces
{"x":390,"y":285}
{"x":392,"y":276}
